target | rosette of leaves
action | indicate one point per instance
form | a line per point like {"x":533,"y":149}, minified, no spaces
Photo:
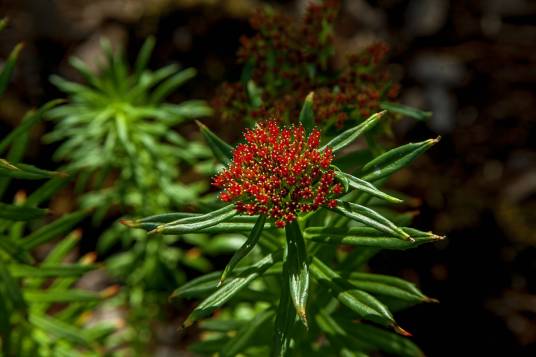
{"x":296,"y":285}
{"x":287,"y":59}
{"x":41,"y":312}
{"x":117,"y":133}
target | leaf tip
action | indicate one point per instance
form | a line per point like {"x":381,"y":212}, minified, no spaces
{"x":130,"y":223}
{"x":89,"y":258}
{"x":436,"y":237}
{"x":430,"y":300}
{"x":158,"y":229}
{"x":303,"y":316}
{"x":434,"y":141}
{"x":401,"y":331}
{"x":310,"y":97}
{"x":110,"y":291}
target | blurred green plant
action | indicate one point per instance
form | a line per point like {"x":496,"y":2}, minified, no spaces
{"x":118,"y":135}
{"x":301,"y":290}
{"x":42,"y":313}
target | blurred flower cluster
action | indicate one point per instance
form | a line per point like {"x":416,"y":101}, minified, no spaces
{"x":285,"y":60}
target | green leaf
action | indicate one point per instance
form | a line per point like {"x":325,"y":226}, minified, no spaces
{"x":368,"y":237}
{"x":348,"y":136}
{"x":245,"y":248}
{"x":9,"y":66}
{"x":23,"y":171}
{"x":360,"y":302}
{"x":209,"y":282}
{"x":284,"y":321}
{"x":379,"y":339}
{"x":370,"y":218}
{"x":52,"y":230}
{"x":339,"y":335}
{"x":45,"y":191}
{"x":143,"y":56}
{"x":221,"y":150}
{"x":385,"y":285}
{"x":197,"y":223}
{"x":60,"y":250}
{"x":170,"y":84}
{"x":50,"y":271}
{"x":20,"y":213}
{"x":254,"y":94}
{"x":395,"y":159}
{"x":199,"y":286}
{"x":11,"y":288}
{"x":59,"y":328}
{"x":60,"y":295}
{"x":186,"y":110}
{"x":245,"y":336}
{"x":208,"y":347}
{"x":231,"y":288}
{"x":297,"y":268}
{"x":29,"y":120}
{"x":14,"y":250}
{"x":221,"y":325}
{"x":365,"y":186}
{"x":405,"y":110}
{"x":307,"y":115}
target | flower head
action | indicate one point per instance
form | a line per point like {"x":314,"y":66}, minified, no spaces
{"x":279,"y":172}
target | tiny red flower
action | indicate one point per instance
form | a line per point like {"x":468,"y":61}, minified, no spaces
{"x":279,"y":172}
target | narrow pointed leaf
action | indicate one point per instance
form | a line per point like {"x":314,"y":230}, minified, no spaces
{"x":143,"y":56}
{"x":207,"y":283}
{"x":245,"y":336}
{"x":394,"y":160}
{"x":20,"y":213}
{"x":59,"y":329}
{"x":368,"y":237}
{"x":60,"y":295}
{"x":172,"y":83}
{"x":8,"y":67}
{"x":11,"y":287}
{"x":221,"y":150}
{"x":364,"y":304}
{"x":284,"y":321}
{"x":233,"y":286}
{"x":50,"y":271}
{"x":365,"y":186}
{"x":348,"y":136}
{"x":245,"y":248}
{"x":339,"y":335}
{"x":52,"y":230}
{"x":297,"y":269}
{"x":15,"y":251}
{"x":406,"y":110}
{"x":369,"y":218}
{"x":384,"y":285}
{"x":307,"y":115}
{"x":24,"y":171}
{"x":194,"y":224}
{"x":379,"y":339}
{"x":29,"y":120}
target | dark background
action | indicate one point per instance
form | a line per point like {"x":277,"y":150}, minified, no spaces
{"x":473,"y":63}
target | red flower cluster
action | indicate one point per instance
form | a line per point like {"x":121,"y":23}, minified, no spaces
{"x":279,"y":173}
